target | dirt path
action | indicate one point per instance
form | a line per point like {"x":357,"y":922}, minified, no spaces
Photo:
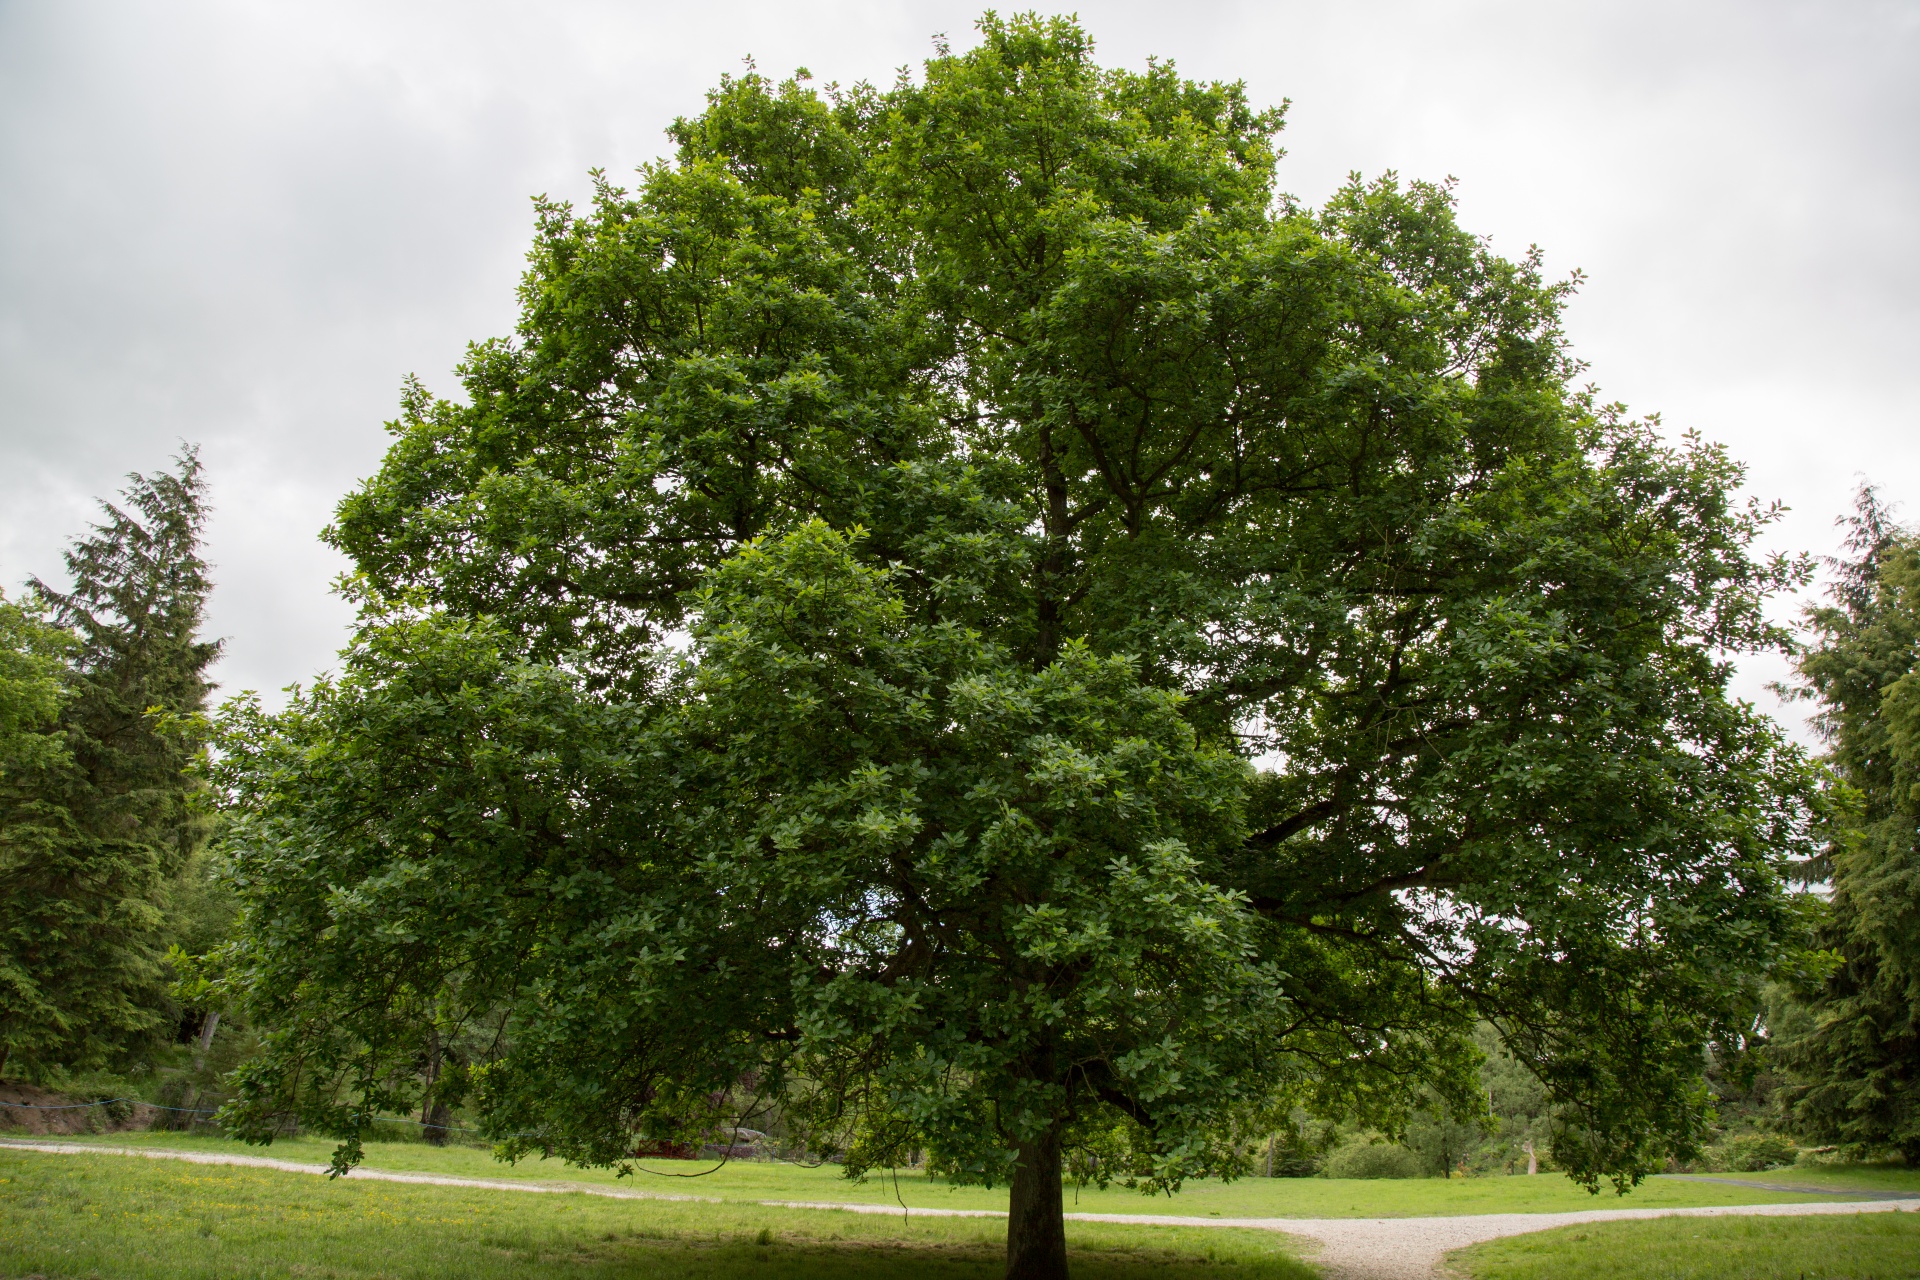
{"x":1350,"y":1248}
{"x":1411,"y":1248}
{"x":27,"y":1111}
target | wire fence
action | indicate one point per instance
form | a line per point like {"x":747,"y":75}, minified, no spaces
{"x":104,"y":1102}
{"x":207,"y":1111}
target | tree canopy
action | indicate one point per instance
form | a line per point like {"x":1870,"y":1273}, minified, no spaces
{"x":963,"y":614}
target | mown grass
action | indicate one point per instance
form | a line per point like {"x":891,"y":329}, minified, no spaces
{"x":1866,"y":1246}
{"x":1247,"y":1198}
{"x":117,"y":1218}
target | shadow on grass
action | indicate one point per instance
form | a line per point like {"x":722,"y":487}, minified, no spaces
{"x":873,"y":1260}
{"x":1866,"y":1246}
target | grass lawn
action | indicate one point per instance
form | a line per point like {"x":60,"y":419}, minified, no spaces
{"x":1248,"y":1198}
{"x":1867,"y":1246}
{"x":114,"y":1218}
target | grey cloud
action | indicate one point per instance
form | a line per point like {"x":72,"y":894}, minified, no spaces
{"x":244,"y":224}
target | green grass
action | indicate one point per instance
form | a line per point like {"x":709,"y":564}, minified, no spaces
{"x":1248,"y":1198}
{"x":116,"y":1218}
{"x":1867,"y":1246}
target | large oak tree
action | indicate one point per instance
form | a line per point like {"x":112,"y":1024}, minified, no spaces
{"x":962,"y":614}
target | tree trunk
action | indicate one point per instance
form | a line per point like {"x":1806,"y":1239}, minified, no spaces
{"x":434,"y":1126}
{"x":1036,"y":1233}
{"x":1053,"y":560}
{"x":433,"y":1112}
{"x":1533,"y":1161}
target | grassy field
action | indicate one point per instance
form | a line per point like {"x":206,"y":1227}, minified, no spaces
{"x":116,"y":1218}
{"x":1248,"y":1198}
{"x":1867,"y":1246}
{"x":110,"y":1217}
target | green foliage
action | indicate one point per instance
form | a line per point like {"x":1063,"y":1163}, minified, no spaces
{"x":98,"y":820}
{"x":1049,"y":828}
{"x":1512,"y":1112}
{"x":1368,"y":1155}
{"x":1445,"y":1139}
{"x":818,"y":666}
{"x":821,"y":748}
{"x":1751,"y":1153}
{"x":1298,"y":1147}
{"x":1520,"y":1111}
{"x":1853,"y":1055}
{"x":32,"y":691}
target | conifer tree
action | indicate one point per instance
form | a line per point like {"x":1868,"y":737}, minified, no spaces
{"x":1856,"y":1059}
{"x":99,"y":821}
{"x":32,"y":689}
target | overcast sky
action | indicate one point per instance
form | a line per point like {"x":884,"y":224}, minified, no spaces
{"x":244,"y":224}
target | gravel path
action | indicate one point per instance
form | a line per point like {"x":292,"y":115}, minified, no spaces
{"x":1411,"y":1248}
{"x":1350,"y":1248}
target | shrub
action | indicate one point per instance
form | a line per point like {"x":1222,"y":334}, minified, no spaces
{"x":1372,"y":1157}
{"x":1752,"y":1153}
{"x":1297,"y":1149}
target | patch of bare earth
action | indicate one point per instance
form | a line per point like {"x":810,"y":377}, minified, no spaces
{"x":26,"y":1109}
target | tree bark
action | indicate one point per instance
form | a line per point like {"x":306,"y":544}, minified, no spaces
{"x":434,"y":1127}
{"x":1036,"y":1232}
{"x":433,"y":1112}
{"x":1053,"y":559}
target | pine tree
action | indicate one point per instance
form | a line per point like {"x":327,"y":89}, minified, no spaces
{"x":32,"y":689}
{"x":93,"y":834}
{"x":1854,"y":1057}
